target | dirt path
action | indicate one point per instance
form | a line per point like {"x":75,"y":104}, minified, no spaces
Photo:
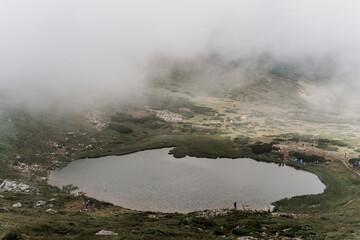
{"x":350,"y":201}
{"x":349,"y":167}
{"x":345,"y":162}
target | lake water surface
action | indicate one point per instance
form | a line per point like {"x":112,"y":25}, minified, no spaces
{"x":154,"y":180}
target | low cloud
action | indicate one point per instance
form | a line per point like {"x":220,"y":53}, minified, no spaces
{"x":84,"y":51}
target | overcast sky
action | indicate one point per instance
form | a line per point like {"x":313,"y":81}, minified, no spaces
{"x":62,"y":48}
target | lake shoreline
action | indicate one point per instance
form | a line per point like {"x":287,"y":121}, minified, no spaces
{"x":220,"y":168}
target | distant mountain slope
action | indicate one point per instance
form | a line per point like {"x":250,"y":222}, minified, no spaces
{"x":264,"y":80}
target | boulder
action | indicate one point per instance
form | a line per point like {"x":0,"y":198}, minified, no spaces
{"x":17,"y":205}
{"x":23,"y":187}
{"x":3,"y":209}
{"x":40,"y":203}
{"x":106,"y":233}
{"x":51,"y":211}
{"x":8,"y":186}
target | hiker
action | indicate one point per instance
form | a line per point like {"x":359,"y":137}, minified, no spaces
{"x":345,"y":154}
{"x":235,"y":205}
{"x":89,"y":203}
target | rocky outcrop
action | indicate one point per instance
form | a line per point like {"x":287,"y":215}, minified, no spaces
{"x":247,"y":238}
{"x":23,"y":167}
{"x":269,"y":208}
{"x":96,"y":119}
{"x":166,"y":115}
{"x":214,"y":212}
{"x":11,"y":186}
{"x":106,"y":233}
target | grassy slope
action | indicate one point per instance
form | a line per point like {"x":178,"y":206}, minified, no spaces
{"x":328,"y":218}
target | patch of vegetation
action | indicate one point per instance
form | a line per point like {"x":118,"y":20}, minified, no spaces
{"x":12,"y":236}
{"x":295,"y":137}
{"x":176,"y":104}
{"x":279,"y":139}
{"x":332,"y":142}
{"x":149,"y":118}
{"x":241,"y":139}
{"x":330,"y":145}
{"x":69,"y":188}
{"x":120,"y":128}
{"x":327,"y":147}
{"x":261,"y":148}
{"x":150,"y":121}
{"x":121,"y":117}
{"x":285,"y":71}
{"x":230,"y":111}
{"x":203,"y":222}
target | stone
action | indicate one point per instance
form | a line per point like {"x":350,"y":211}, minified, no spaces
{"x":4,"y":209}
{"x":23,"y":187}
{"x":50,"y":210}
{"x":17,"y":205}
{"x":10,"y":186}
{"x":43,"y":178}
{"x":40,"y":203}
{"x":106,"y":233}
{"x":247,"y":238}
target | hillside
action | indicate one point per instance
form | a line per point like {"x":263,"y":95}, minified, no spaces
{"x":209,"y":108}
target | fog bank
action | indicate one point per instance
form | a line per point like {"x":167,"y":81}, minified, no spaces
{"x":83,"y":51}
